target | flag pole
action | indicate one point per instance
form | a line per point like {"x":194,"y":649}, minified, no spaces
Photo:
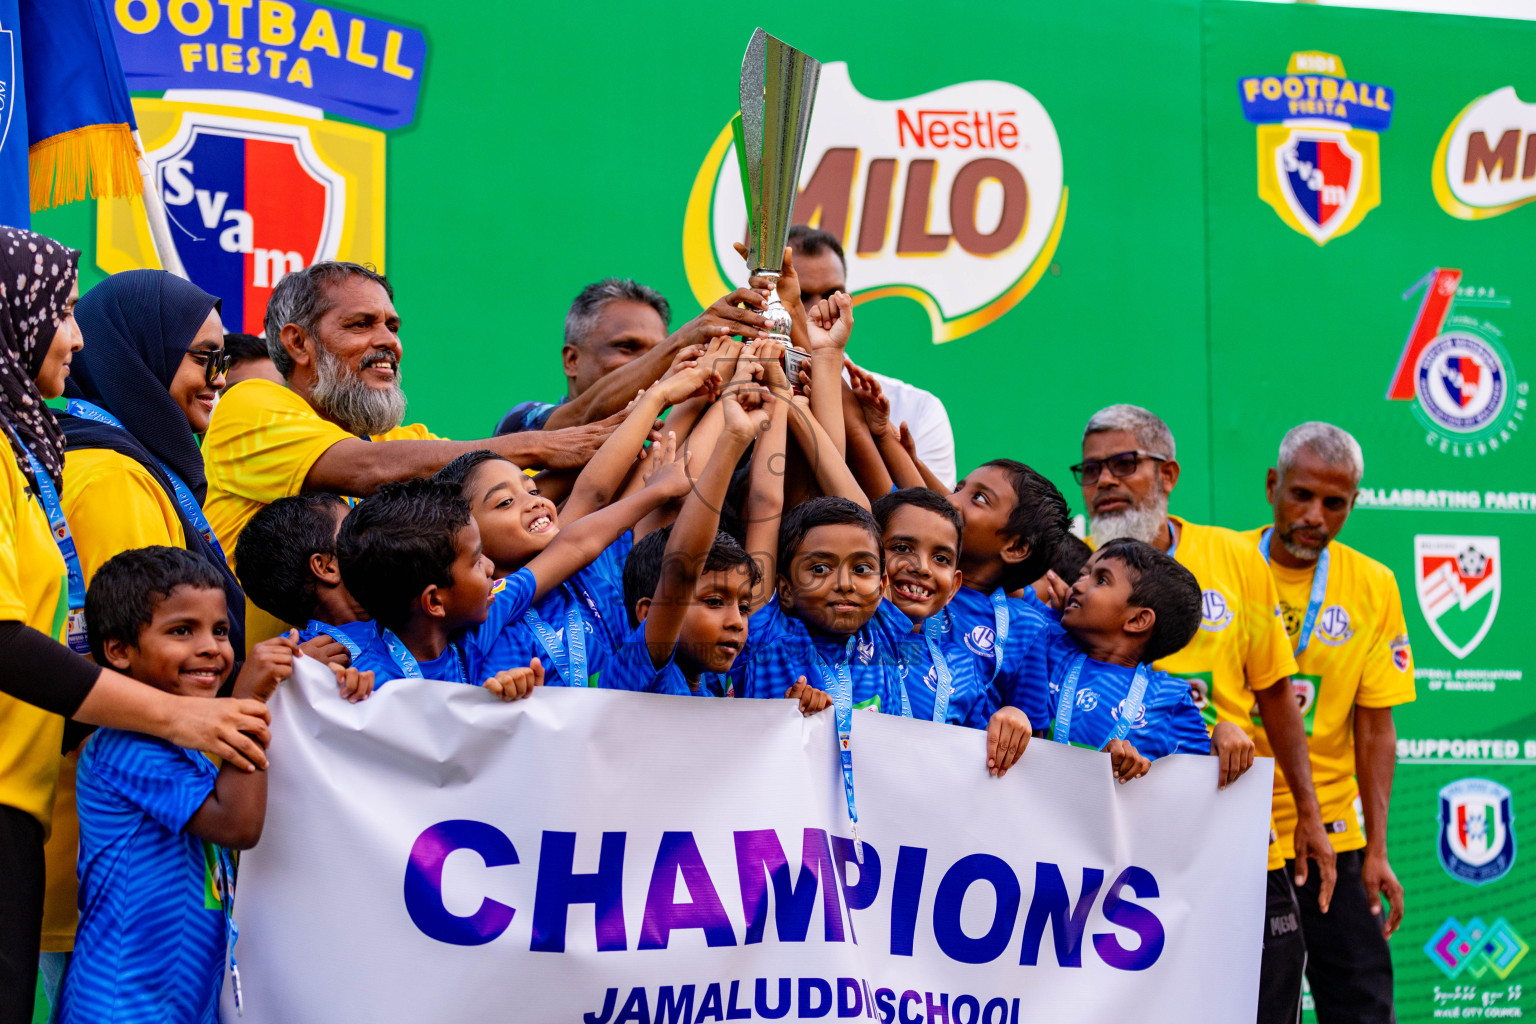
{"x":154,"y":212}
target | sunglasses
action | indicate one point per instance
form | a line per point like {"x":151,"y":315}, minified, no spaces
{"x":214,"y":362}
{"x":1121,"y":465}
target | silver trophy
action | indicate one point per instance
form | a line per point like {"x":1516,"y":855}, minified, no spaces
{"x":778,"y":92}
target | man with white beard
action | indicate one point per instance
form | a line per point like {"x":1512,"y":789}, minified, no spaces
{"x":333,"y":334}
{"x":1344,"y":615}
{"x":1240,"y":658}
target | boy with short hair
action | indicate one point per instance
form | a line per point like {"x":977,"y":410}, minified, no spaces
{"x":412,"y":555}
{"x":922,"y":537}
{"x":156,"y":820}
{"x":287,"y":565}
{"x":1132,"y":606}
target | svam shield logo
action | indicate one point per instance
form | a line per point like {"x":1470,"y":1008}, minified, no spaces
{"x":249,"y":202}
{"x":1477,"y":835}
{"x":1319,"y":174}
{"x":1458,"y":581}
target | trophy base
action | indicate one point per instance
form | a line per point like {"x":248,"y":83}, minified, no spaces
{"x":795,"y":361}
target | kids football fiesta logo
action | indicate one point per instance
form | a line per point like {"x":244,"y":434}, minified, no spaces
{"x":1477,"y":834}
{"x":953,"y":199}
{"x":1458,"y":580}
{"x":1455,"y":369}
{"x":1319,"y":159}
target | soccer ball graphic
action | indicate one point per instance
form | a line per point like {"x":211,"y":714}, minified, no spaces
{"x":1471,"y":562}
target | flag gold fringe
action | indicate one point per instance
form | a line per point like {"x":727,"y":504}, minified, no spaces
{"x":91,"y":162}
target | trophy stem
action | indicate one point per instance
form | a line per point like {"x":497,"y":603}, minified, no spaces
{"x":795,"y":360}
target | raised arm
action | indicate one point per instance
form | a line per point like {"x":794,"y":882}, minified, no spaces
{"x":832,"y":473}
{"x":930,"y":479}
{"x":864,"y":458}
{"x":829,"y":326}
{"x":877,"y":413}
{"x":736,"y":313}
{"x":765,"y":493}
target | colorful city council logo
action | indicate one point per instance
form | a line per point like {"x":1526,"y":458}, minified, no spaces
{"x":953,"y":199}
{"x":1486,"y":161}
{"x":1319,"y":163}
{"x":1455,"y":369}
{"x":1458,"y":581}
{"x":256,"y":181}
{"x":1476,"y":948}
{"x":1477,"y":834}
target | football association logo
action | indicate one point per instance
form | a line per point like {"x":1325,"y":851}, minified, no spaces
{"x":1477,"y":834}
{"x":1215,"y":614}
{"x":1455,"y":369}
{"x":1319,"y":165}
{"x":1458,"y":580}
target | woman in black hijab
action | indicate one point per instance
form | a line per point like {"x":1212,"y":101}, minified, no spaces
{"x":140,"y":393}
{"x":41,"y":680}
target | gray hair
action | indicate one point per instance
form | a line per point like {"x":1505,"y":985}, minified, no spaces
{"x":589,"y":305}
{"x":1334,"y":445}
{"x":1151,"y":433}
{"x":302,"y":298}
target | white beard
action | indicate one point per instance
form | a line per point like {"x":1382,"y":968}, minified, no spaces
{"x":346,"y":397}
{"x":1142,"y":523}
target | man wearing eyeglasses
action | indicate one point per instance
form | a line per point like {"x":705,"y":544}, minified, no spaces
{"x":1239,"y":662}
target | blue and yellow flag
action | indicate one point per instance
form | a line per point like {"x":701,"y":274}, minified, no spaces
{"x":66,"y":126}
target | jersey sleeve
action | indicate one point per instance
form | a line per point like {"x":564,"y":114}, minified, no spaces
{"x":1035,"y":647}
{"x":157,"y":778}
{"x":632,"y":667}
{"x":756,"y":664}
{"x":13,"y":601}
{"x":1387,"y":677}
{"x":113,"y":505}
{"x":1267,"y":658}
{"x":409,"y":432}
{"x":263,"y":441}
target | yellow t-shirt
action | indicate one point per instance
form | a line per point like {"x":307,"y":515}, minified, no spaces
{"x":34,"y":592}
{"x":1241,"y":644}
{"x":260,"y":446}
{"x":113,"y":505}
{"x":1358,"y":655}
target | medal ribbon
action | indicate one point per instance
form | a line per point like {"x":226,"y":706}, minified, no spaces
{"x":1314,"y":601}
{"x":1000,"y":632}
{"x":1061,"y":729}
{"x":573,"y":665}
{"x":838,"y":681}
{"x":184,"y":497}
{"x":946,"y":675}
{"x":316,"y":627}
{"x":410,"y":668}
{"x":75,"y":630}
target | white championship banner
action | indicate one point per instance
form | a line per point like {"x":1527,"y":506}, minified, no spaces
{"x":596,"y":857}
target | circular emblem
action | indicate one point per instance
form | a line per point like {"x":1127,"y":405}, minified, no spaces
{"x":980,"y":640}
{"x":931,"y":680}
{"x":1214,"y":613}
{"x":1333,"y":626}
{"x":1461,"y":382}
{"x":1087,"y":700}
{"x":1139,"y":721}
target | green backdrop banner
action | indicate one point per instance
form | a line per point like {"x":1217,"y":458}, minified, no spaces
{"x":1239,"y":215}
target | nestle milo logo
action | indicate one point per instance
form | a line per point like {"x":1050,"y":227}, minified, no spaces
{"x":953,"y":199}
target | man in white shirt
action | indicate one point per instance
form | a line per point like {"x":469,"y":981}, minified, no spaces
{"x":822,"y":270}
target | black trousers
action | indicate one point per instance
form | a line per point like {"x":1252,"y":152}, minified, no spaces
{"x":1285,"y":953}
{"x":1349,"y":965}
{"x":21,"y":912}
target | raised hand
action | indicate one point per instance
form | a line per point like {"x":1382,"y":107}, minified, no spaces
{"x":877,"y":407}
{"x":666,"y":469}
{"x":831,"y":322}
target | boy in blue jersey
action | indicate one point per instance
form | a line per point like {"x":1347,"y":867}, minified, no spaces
{"x":922,"y":536}
{"x":157,"y":821}
{"x":286,"y":561}
{"x":1014,"y":522}
{"x":1131,"y":606}
{"x":689,"y":588}
{"x":412,"y":556}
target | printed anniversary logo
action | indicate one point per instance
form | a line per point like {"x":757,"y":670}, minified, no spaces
{"x":1477,"y":834}
{"x":1456,"y":370}
{"x":1319,"y":158}
{"x":954,"y":199}
{"x":1485,"y":164}
{"x":255,"y":180}
{"x":1458,"y":580}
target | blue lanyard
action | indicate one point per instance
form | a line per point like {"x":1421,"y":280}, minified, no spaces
{"x":1000,"y":632}
{"x":1173,"y":541}
{"x":1319,"y":589}
{"x":586,"y":598}
{"x":574,"y":665}
{"x":410,"y":668}
{"x":838,"y":681}
{"x":224,"y":884}
{"x":184,"y":497}
{"x":946,"y":675}
{"x":316,"y":627}
{"x":75,"y":632}
{"x":1061,"y":729}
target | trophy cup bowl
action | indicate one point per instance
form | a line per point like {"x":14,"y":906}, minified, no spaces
{"x":778,"y":92}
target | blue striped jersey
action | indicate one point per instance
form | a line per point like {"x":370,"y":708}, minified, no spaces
{"x":970,"y":701}
{"x":1019,"y":670}
{"x":633,"y":669}
{"x":780,"y":649}
{"x":150,"y":946}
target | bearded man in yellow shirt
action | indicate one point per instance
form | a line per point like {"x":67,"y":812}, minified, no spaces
{"x":334,"y":335}
{"x":1344,"y":615}
{"x":1240,"y":661}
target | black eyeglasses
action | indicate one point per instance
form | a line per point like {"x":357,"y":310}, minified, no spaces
{"x":1121,"y":464}
{"x":214,"y":361}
